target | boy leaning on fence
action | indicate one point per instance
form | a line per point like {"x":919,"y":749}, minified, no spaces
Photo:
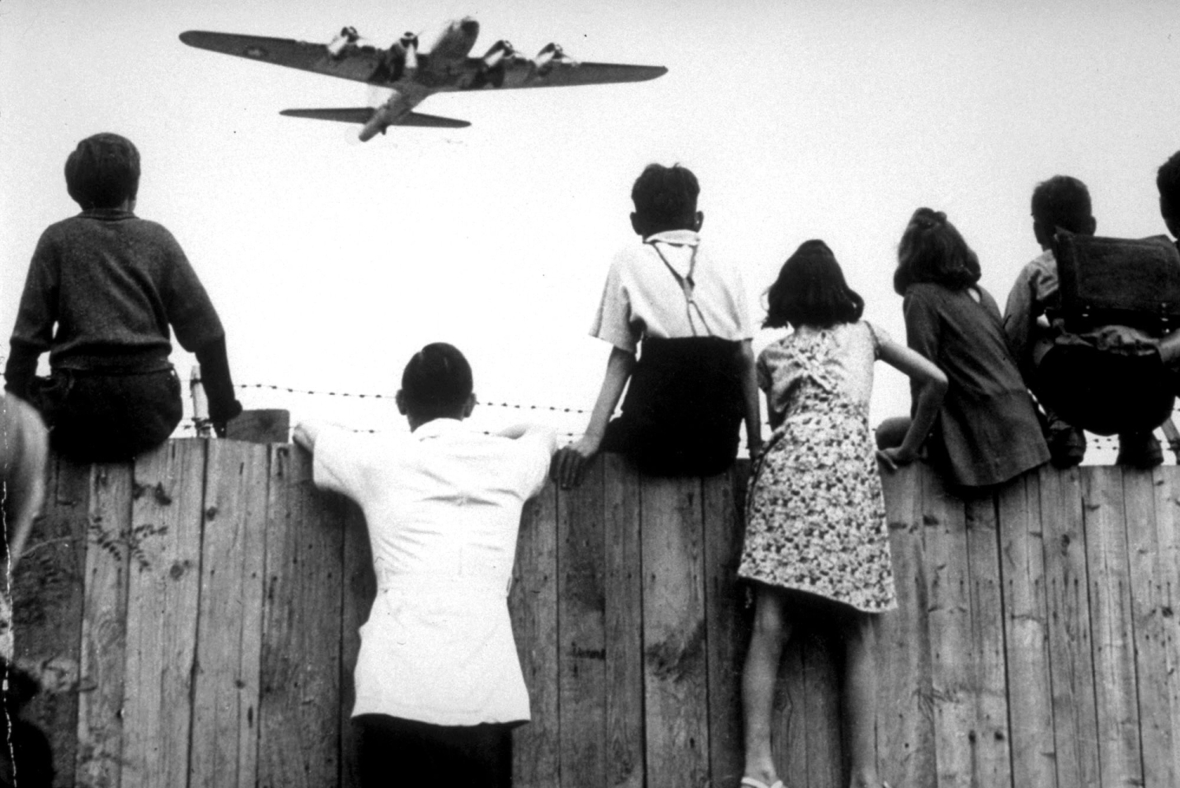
{"x":438,"y":681}
{"x":104,"y":291}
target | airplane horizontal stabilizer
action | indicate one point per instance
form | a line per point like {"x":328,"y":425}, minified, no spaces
{"x":346,"y":115}
{"x":434,"y":121}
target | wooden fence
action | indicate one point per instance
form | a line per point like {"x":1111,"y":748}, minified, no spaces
{"x":193,"y":619}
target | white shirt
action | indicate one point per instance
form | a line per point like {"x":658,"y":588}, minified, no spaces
{"x":669,"y":287}
{"x":443,"y":509}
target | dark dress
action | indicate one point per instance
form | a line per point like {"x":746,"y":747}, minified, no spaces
{"x":987,"y":429}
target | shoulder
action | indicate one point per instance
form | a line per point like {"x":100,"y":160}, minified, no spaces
{"x":875,"y":335}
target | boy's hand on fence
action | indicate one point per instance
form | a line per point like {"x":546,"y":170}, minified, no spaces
{"x":569,"y":463}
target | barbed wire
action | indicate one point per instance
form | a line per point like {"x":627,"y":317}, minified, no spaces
{"x":356,"y":395}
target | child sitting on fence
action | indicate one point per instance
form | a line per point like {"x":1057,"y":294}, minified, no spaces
{"x":102,"y":290}
{"x":815,"y":527}
{"x":1101,"y":378}
{"x":987,"y":430}
{"x":438,"y":681}
{"x":693,"y":383}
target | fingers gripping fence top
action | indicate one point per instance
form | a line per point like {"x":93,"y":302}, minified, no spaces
{"x":194,"y":617}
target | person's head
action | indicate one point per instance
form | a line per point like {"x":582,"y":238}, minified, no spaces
{"x":1062,"y":202}
{"x":436,"y":384}
{"x":811,"y":291}
{"x":1167,"y":180}
{"x":933,"y":251}
{"x":103,"y":172}
{"x":665,"y":198}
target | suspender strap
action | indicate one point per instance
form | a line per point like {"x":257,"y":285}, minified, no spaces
{"x":686,"y":286}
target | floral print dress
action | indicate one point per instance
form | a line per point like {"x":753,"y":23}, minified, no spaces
{"x":815,"y":517}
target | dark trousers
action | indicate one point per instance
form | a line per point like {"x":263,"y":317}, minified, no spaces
{"x":107,"y":417}
{"x":1103,"y":392}
{"x":397,"y":753}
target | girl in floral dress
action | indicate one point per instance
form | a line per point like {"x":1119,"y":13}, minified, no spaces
{"x":815,"y":525}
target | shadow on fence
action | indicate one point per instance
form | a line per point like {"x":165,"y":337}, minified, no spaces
{"x":193,"y":620}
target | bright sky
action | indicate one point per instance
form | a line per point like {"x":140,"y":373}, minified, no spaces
{"x":331,"y":262}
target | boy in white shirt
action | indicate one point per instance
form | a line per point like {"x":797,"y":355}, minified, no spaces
{"x":693,"y":382}
{"x":438,"y":682}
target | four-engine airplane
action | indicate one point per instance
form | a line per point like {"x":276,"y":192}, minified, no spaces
{"x":412,"y":75}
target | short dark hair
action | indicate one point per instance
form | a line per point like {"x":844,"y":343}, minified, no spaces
{"x":436,"y":381}
{"x":103,"y":171}
{"x":932,"y":250}
{"x":1063,"y":202}
{"x":1167,"y":180}
{"x":810,"y":290}
{"x":665,"y":195}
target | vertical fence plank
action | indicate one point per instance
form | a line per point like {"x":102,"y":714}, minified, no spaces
{"x":360,"y":589}
{"x":1026,"y":635}
{"x":624,"y":625}
{"x":1167,"y":584}
{"x":992,"y":760}
{"x":1148,"y":601}
{"x":727,"y":621}
{"x":533,"y":605}
{"x":905,"y":717}
{"x":675,"y":666}
{"x":104,"y":629}
{"x":1119,"y":755}
{"x":581,"y":611}
{"x":165,"y":551}
{"x":1071,"y":663}
{"x":47,"y":601}
{"x":229,"y":626}
{"x":950,"y":631}
{"x":299,"y":707}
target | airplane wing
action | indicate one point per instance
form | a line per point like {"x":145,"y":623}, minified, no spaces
{"x":521,"y":73}
{"x":365,"y":114}
{"x":361,"y":63}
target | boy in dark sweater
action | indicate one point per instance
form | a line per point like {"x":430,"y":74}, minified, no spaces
{"x":102,"y":291}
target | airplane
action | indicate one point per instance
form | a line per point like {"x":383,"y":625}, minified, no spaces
{"x":413,"y":75}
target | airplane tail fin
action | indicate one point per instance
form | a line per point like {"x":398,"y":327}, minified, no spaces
{"x":363,"y":115}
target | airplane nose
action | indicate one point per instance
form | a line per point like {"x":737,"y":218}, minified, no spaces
{"x":470,"y":27}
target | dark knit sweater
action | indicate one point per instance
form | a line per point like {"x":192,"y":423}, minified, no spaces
{"x":102,"y":290}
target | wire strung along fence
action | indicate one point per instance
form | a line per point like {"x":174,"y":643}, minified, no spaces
{"x":193,"y":618}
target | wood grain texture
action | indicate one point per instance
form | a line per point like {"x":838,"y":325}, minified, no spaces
{"x":162,"y":600}
{"x":625,"y":756}
{"x":299,"y":707}
{"x":1071,"y":663}
{"x":360,"y":589}
{"x":1119,"y":755}
{"x":1167,"y":585}
{"x":674,"y":647}
{"x":532,"y":603}
{"x":581,"y":623}
{"x":1026,"y":633}
{"x":727,"y":620}
{"x":905,"y":707}
{"x":229,"y":626}
{"x":104,"y":629}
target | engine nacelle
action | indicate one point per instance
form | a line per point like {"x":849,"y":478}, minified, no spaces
{"x":548,"y":56}
{"x":501,"y":51}
{"x":346,"y":38}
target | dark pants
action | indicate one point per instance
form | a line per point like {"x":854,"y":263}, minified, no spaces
{"x":1105,"y":393}
{"x":397,"y":753}
{"x":107,"y":417}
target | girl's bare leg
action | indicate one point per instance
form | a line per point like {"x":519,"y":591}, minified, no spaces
{"x":771,"y":630}
{"x":860,"y":699}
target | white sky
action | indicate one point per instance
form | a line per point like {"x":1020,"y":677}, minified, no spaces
{"x":331,"y":262}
